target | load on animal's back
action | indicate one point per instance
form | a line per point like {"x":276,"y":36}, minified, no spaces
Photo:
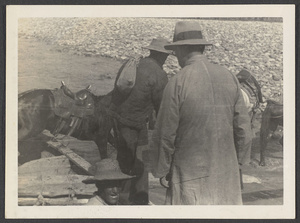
{"x":72,"y":106}
{"x":125,"y":81}
{"x":81,"y":115}
{"x":251,"y":91}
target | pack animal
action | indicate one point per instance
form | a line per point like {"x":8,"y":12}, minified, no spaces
{"x":272,"y":117}
{"x":81,"y":115}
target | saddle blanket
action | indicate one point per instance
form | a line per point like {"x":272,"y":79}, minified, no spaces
{"x":249,"y":97}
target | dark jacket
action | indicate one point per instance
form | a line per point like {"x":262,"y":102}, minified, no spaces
{"x":132,"y":110}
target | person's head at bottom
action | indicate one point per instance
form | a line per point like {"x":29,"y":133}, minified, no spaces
{"x":109,"y":191}
{"x":108,"y":179}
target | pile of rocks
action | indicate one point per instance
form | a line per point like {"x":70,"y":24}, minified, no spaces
{"x":253,"y":45}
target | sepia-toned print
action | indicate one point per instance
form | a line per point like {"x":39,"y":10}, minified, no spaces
{"x":151,"y":112}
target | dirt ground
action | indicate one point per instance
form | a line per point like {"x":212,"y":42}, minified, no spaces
{"x":45,"y":66}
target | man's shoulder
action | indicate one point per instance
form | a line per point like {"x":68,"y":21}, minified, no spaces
{"x":147,"y":61}
{"x":149,"y":67}
{"x":222,"y":73}
{"x":218,"y":67}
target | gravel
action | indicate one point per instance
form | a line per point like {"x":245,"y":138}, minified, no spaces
{"x":253,"y":45}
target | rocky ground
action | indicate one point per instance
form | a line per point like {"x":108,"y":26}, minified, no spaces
{"x":253,"y":45}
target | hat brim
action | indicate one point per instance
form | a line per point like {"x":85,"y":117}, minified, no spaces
{"x":103,"y":177}
{"x":158,"y":49}
{"x":171,"y":46}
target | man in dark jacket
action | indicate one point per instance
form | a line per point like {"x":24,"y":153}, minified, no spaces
{"x":131,"y":111}
{"x":201,"y":125}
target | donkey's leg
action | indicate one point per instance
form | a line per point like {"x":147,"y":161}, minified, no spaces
{"x":101,"y":142}
{"x":263,"y":145}
{"x":268,"y":127}
{"x":264,"y":133}
{"x":104,"y":135}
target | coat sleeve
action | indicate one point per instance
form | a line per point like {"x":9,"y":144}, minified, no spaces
{"x":158,"y":89}
{"x":241,"y":128}
{"x":164,"y":134}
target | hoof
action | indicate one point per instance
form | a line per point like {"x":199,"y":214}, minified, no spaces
{"x":163,"y":182}
{"x":262,"y":163}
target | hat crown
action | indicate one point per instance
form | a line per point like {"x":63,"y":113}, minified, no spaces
{"x":106,"y":169}
{"x":106,"y":166}
{"x":186,"y":31}
{"x":158,"y":44}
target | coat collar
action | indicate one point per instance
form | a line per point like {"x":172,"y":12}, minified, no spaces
{"x":195,"y":58}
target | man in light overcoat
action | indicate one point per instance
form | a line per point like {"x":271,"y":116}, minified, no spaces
{"x":202,"y":127}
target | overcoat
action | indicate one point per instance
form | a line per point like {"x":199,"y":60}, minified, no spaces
{"x":202,"y":128}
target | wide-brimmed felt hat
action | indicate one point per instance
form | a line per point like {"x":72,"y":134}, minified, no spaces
{"x":158,"y":45}
{"x":106,"y":169}
{"x":187,"y":33}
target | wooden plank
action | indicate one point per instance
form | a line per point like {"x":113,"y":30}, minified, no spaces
{"x":50,"y":201}
{"x":53,"y":186}
{"x":76,"y":159}
{"x":88,"y":150}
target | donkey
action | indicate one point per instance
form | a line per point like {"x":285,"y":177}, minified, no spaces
{"x":82,"y":115}
{"x":272,"y":116}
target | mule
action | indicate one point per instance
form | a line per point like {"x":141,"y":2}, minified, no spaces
{"x":272,"y":117}
{"x":37,"y":113}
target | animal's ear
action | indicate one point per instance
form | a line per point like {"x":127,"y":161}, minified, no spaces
{"x":88,"y":87}
{"x":62,"y":83}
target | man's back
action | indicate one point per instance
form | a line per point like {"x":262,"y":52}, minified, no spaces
{"x":150,"y":82}
{"x":208,"y":95}
{"x":197,"y":121}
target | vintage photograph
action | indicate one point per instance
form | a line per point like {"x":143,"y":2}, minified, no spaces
{"x":151,"y":111}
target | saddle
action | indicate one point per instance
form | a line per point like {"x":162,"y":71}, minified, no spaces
{"x":67,"y":103}
{"x":247,"y":79}
{"x":72,"y":108}
{"x":251,"y":87}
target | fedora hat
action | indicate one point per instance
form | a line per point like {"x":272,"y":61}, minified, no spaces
{"x":158,"y":45}
{"x":187,"y":33}
{"x":106,"y":169}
